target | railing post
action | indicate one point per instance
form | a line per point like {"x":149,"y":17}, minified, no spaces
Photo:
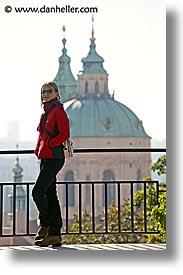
{"x":93,"y":208}
{"x":80,"y":210}
{"x":106,"y":209}
{"x":27,"y":225}
{"x":132,"y":210}
{"x":145,"y":203}
{"x":1,"y":209}
{"x":119,"y":208}
{"x":67,"y":208}
{"x":14,"y":209}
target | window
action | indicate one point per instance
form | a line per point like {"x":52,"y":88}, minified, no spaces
{"x":96,"y":87}
{"x":88,"y":194}
{"x":86,"y":87}
{"x":111,"y":190}
{"x":71,"y":192}
{"x":139,"y":177}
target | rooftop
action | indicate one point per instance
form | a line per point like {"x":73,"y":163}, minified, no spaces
{"x":103,"y":117}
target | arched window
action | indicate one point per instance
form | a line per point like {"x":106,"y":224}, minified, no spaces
{"x":139,"y":174}
{"x":71,"y":192}
{"x":105,"y":88}
{"x":139,"y":177}
{"x":87,"y":191}
{"x":96,"y":87}
{"x":111,"y":190}
{"x":86,"y":87}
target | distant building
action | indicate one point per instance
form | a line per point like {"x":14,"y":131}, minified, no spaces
{"x":66,"y":82}
{"x":97,"y":120}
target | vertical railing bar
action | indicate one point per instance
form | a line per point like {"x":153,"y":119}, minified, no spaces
{"x":106,"y":215}
{"x":145,"y":204}
{"x":157,"y":188}
{"x":93,"y":208}
{"x":80,"y":209}
{"x":14,"y":208}
{"x":132,"y":209}
{"x":67,"y":208}
{"x":119,"y":212}
{"x":27,"y":209}
{"x":1,"y":209}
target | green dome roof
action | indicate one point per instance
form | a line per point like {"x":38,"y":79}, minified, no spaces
{"x":102,"y":117}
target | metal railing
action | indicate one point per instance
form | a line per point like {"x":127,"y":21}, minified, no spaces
{"x":120,"y":228}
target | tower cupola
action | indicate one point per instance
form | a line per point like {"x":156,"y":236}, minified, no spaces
{"x":17,"y":170}
{"x":20,"y":192}
{"x":65,"y":80}
{"x":93,"y":63}
{"x":93,"y":82}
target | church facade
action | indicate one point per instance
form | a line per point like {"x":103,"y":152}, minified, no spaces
{"x":97,"y":120}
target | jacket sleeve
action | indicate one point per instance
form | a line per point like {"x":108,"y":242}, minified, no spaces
{"x":36,"y":150}
{"x":63,"y":129}
{"x":37,"y":146}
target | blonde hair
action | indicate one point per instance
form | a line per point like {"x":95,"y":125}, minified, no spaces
{"x":55,"y":87}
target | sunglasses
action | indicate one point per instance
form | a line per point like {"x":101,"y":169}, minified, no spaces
{"x":46,"y":91}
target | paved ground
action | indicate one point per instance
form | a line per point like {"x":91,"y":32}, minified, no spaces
{"x":85,"y":247}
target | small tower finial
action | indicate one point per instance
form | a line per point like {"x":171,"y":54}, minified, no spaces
{"x":17,"y":158}
{"x":64,"y":40}
{"x":93,"y":38}
{"x":63,"y":28}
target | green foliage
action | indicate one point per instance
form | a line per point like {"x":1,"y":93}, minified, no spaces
{"x":159,"y":215}
{"x":159,"y":211}
{"x":159,"y":165}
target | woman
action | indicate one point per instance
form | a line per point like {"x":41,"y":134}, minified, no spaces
{"x":53,"y":131}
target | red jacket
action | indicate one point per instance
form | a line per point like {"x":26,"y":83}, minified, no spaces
{"x":51,"y":147}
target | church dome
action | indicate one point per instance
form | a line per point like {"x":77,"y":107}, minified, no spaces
{"x":102,"y":117}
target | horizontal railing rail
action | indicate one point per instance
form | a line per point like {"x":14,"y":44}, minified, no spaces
{"x":93,"y":150}
{"x":120,"y":227}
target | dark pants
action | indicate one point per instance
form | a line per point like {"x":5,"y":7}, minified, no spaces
{"x":45,"y":195}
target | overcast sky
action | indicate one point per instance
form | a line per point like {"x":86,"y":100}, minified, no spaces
{"x":130,"y":36}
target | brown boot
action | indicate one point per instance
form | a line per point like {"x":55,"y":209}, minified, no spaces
{"x":42,"y":232}
{"x":50,"y":240}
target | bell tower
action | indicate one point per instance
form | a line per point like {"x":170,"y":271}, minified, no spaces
{"x":20,"y":192}
{"x":65,"y":80}
{"x":93,"y":82}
